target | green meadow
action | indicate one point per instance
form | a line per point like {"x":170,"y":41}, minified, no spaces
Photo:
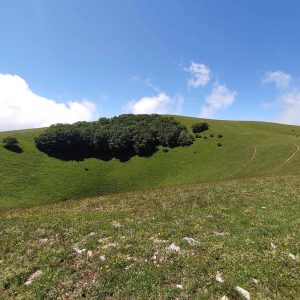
{"x":197,"y":222}
{"x":31,"y":177}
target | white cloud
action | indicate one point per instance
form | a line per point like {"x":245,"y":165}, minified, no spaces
{"x":200,"y":75}
{"x":21,"y":108}
{"x":290,"y":101}
{"x":220,"y":98}
{"x":159,"y":104}
{"x":282,"y":80}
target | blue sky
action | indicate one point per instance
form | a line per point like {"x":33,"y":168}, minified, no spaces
{"x":65,"y":60}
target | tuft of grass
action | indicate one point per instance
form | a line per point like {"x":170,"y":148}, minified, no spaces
{"x":165,"y":243}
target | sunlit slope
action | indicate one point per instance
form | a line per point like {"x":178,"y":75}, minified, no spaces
{"x":248,"y":149}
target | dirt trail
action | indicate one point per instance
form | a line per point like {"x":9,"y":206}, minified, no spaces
{"x":254,"y":153}
{"x":298,"y":148}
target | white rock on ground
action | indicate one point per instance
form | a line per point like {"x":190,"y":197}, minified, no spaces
{"x":116,"y":224}
{"x":219,"y":277}
{"x":255,"y":280}
{"x":273,"y":246}
{"x":79,"y":251}
{"x":245,"y":294}
{"x":224,"y":298}
{"x":102,"y":257}
{"x":173,"y":248}
{"x":90,"y":253}
{"x":33,"y":276}
{"x":43,"y":241}
{"x":292,"y":256}
{"x":190,"y":240}
{"x":179,"y":286}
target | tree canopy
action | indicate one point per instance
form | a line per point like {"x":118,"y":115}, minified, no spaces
{"x":126,"y":134}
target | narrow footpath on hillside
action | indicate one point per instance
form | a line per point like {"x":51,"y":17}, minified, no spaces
{"x":298,"y":148}
{"x":254,"y":153}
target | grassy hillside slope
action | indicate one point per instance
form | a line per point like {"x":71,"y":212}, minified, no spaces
{"x":167,"y":243}
{"x":32,"y":177}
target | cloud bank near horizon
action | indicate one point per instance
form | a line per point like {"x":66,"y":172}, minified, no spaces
{"x":21,"y":108}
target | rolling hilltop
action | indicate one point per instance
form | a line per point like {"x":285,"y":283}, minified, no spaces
{"x":248,"y":149}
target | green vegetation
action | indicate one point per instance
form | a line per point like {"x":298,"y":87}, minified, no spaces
{"x":165,"y":243}
{"x":226,"y":213}
{"x":33,"y":177}
{"x":199,"y":127}
{"x":10,"y":143}
{"x":122,"y":137}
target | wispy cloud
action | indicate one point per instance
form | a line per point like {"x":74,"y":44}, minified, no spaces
{"x":288,"y":98}
{"x":220,"y":97}
{"x":200,"y":75}
{"x":22,"y":108}
{"x":280,"y":79}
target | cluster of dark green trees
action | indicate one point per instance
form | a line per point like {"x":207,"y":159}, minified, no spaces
{"x":125,"y":134}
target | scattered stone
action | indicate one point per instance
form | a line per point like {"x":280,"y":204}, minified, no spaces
{"x":102,"y":257}
{"x":109,"y":245}
{"x":190,"y":240}
{"x":292,"y":256}
{"x":158,"y":241}
{"x":217,"y":233}
{"x":103,"y":240}
{"x":90,"y":253}
{"x":92,"y":233}
{"x":173,"y":248}
{"x":243,"y":292}
{"x":219,"y":277}
{"x":255,"y":281}
{"x":33,"y":276}
{"x":273,"y":246}
{"x":263,"y":207}
{"x":43,"y":241}
{"x":179,"y":286}
{"x":224,"y":298}
{"x":116,"y":224}
{"x":79,"y":251}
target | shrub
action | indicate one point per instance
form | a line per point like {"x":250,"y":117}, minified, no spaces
{"x":212,"y":135}
{"x":205,"y":137}
{"x":220,"y":136}
{"x":185,"y":138}
{"x":165,"y":149}
{"x":219,"y":144}
{"x":9,"y":142}
{"x":198,"y":136}
{"x":199,"y":127}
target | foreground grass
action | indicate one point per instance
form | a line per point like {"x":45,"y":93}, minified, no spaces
{"x":33,"y":178}
{"x":127,"y":238}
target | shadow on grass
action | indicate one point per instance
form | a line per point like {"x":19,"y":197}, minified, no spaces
{"x":81,"y":155}
{"x":14,"y":148}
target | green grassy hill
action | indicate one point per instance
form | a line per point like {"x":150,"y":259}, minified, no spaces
{"x":32,"y":177}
